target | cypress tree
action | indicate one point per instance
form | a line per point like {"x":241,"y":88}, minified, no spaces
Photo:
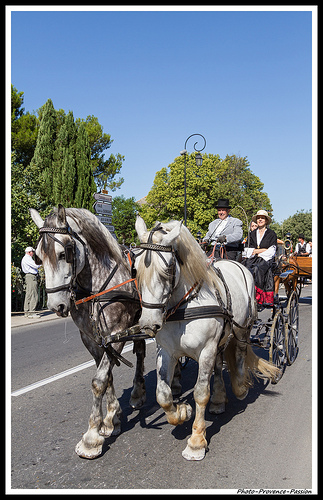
{"x":41,"y":165}
{"x":85,"y":185}
{"x":64,"y":163}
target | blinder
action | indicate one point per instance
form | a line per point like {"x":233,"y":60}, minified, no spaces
{"x":69,"y":252}
{"x":149,"y":247}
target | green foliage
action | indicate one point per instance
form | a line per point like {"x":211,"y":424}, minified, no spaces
{"x":55,"y":159}
{"x":216,"y":178}
{"x":17,"y":289}
{"x":299,"y":223}
{"x":84,"y":182}
{"x":104,"y":171}
{"x":41,"y":165}
{"x":123,"y":219}
{"x":24,"y":129}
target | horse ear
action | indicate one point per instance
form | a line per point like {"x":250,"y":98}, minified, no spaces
{"x":141,"y":227}
{"x":36,"y":217}
{"x":170,"y":237}
{"x":61,"y":215}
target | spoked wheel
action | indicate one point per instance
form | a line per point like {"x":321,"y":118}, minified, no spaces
{"x":291,"y":328}
{"x":277,"y":353}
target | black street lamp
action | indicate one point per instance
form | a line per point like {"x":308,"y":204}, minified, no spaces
{"x":198,"y":160}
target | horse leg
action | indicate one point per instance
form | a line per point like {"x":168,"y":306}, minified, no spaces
{"x":176,"y":383}
{"x":235,"y":356}
{"x":197,"y":444}
{"x":219,"y":396}
{"x":91,"y":443}
{"x":178,"y":414}
{"x":138,"y":394}
{"x":111,"y":425}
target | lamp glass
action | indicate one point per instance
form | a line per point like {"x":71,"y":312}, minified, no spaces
{"x":198,"y":159}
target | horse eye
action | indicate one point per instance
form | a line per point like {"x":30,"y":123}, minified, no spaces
{"x":61,"y":256}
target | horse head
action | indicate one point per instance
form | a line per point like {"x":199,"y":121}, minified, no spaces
{"x":157,"y":271}
{"x":62,"y":253}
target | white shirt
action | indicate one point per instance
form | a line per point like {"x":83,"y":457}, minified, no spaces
{"x":266,"y":255}
{"x":28,"y":265}
{"x":307,"y":247}
{"x":220,"y":227}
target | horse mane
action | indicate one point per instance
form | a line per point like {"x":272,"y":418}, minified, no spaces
{"x":194,"y":262}
{"x":97,"y":236}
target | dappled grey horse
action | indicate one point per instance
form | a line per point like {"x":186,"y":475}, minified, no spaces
{"x":81,"y":258}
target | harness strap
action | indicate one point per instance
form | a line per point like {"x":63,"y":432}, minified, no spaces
{"x":174,"y":309}
{"x":91,"y":297}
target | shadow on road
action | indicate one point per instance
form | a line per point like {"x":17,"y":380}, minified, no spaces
{"x":151,"y":416}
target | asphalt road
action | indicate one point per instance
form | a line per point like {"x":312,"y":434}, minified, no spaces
{"x":264,"y":441}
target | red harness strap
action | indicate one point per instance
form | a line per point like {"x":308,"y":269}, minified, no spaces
{"x":86,"y":299}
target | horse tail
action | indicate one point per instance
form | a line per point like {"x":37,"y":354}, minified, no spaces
{"x":258,"y":365}
{"x":244,"y":365}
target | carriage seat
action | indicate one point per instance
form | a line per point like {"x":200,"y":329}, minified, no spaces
{"x":286,"y":273}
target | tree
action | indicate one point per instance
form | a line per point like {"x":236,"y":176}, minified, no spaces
{"x":24,"y":129}
{"x":104,"y":171}
{"x":41,"y":165}
{"x":124,"y":218}
{"x":216,"y":178}
{"x":299,"y":223}
{"x":64,"y":163}
{"x":84,"y":182}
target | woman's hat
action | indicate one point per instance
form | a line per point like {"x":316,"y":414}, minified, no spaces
{"x":264,"y":213}
{"x":223,"y":203}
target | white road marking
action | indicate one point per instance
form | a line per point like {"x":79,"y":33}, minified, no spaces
{"x":65,"y":373}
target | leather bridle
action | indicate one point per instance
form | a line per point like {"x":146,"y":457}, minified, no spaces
{"x":69,"y":250}
{"x":171,"y":267}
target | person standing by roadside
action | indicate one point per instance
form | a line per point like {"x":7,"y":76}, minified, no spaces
{"x":30,"y":268}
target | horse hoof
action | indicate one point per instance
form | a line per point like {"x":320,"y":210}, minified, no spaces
{"x":217,"y":408}
{"x":191,"y":454}
{"x":243,"y":395}
{"x":106,"y":431}
{"x":82,"y":451}
{"x":185,"y":411}
{"x":137,"y":403}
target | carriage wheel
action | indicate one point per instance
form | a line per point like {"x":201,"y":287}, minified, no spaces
{"x":298,"y":288}
{"x":291,"y":328}
{"x":277,"y":353}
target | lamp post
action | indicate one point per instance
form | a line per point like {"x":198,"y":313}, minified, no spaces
{"x":198,"y":160}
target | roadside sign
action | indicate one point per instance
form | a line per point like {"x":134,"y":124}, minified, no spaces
{"x":102,"y":208}
{"x":102,"y":197}
{"x":104,"y":219}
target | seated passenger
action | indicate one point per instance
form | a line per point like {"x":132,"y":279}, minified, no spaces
{"x":260,"y":258}
{"x":224,"y":233}
{"x":302,"y":248}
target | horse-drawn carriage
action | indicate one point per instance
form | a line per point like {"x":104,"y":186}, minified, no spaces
{"x":168,"y":292}
{"x":280,"y":332}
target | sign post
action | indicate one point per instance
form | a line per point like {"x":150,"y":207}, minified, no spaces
{"x":103,"y":207}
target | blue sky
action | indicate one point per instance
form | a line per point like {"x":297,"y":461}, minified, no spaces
{"x":241,"y":79}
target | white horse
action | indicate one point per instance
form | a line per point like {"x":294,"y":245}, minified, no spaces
{"x":172,"y":273}
{"x":80,"y":258}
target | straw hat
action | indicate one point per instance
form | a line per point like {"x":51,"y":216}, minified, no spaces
{"x":264,"y":213}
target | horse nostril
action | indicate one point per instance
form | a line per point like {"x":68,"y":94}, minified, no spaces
{"x":61,"y":310}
